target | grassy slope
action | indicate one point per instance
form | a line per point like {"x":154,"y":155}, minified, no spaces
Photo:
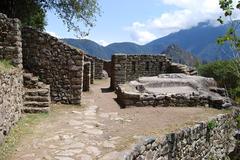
{"x":22,"y":128}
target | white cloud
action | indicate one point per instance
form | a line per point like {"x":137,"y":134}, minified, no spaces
{"x":187,"y":14}
{"x":103,"y":42}
{"x":139,"y":33}
{"x":53,"y":34}
{"x":142,"y":36}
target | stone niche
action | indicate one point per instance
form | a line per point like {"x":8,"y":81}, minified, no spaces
{"x":11,"y":101}
{"x":173,"y":90}
{"x":56,"y":63}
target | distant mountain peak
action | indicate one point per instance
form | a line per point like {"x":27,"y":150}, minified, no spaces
{"x":199,"y":41}
{"x":173,"y":46}
{"x":179,"y":55}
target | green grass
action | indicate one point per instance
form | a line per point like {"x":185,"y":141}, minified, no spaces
{"x":211,"y":124}
{"x":237,"y":99}
{"x":5,"y":65}
{"x":238,"y":121}
{"x":24,"y":127}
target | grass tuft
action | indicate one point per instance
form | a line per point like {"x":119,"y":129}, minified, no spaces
{"x":23,"y":127}
{"x":5,"y":65}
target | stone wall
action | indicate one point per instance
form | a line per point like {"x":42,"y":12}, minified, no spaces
{"x":98,"y":68}
{"x":130,"y":67}
{"x":128,"y":99}
{"x":206,"y":140}
{"x":125,"y":68}
{"x":11,"y":102}
{"x":87,"y":76}
{"x":55,"y":63}
{"x":10,"y":40}
{"x":87,"y":58}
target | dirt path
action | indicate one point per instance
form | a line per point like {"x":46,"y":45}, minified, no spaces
{"x":100,"y":129}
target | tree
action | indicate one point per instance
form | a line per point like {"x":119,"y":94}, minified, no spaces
{"x":225,"y":74}
{"x":30,"y":12}
{"x":72,"y":12}
{"x":231,"y":37}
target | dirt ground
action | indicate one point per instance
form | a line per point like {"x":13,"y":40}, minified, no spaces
{"x":100,"y":129}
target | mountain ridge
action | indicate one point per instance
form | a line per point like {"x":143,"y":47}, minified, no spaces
{"x":199,"y":41}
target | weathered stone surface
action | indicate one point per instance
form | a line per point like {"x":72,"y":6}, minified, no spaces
{"x":126,"y":68}
{"x":87,"y":76}
{"x":172,"y":90}
{"x":11,"y":101}
{"x":10,"y":40}
{"x":197,"y":142}
{"x":56,"y":64}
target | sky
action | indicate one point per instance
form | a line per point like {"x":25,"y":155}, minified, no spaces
{"x":141,"y":21}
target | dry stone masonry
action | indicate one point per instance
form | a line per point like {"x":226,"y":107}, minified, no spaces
{"x":99,"y":68}
{"x":56,"y":64}
{"x":126,"y":68}
{"x":204,"y":141}
{"x":87,"y":76}
{"x":176,"y":90}
{"x":11,"y":101}
{"x":36,"y":95}
{"x":10,"y":40}
{"x":90,"y":59}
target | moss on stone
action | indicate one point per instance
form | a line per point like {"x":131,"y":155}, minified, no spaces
{"x":5,"y":65}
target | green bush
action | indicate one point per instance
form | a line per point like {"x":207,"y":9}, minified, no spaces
{"x":211,"y":125}
{"x":225,"y":73}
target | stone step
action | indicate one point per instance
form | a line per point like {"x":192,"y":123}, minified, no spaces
{"x":35,"y":104}
{"x":36,"y":98}
{"x":27,"y":75}
{"x":40,"y":83}
{"x":36,"y":92}
{"x":35,"y":110}
{"x":43,"y":85}
{"x":193,"y":73}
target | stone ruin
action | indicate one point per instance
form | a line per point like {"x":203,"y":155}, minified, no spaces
{"x":125,"y":68}
{"x":46,"y":70}
{"x":173,"y":90}
{"x":153,"y":80}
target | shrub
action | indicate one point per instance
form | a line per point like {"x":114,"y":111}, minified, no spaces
{"x":211,"y":125}
{"x":225,"y":73}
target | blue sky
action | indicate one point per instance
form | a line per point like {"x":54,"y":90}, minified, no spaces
{"x":141,"y":21}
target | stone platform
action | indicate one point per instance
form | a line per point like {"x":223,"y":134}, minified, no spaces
{"x":173,"y":90}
